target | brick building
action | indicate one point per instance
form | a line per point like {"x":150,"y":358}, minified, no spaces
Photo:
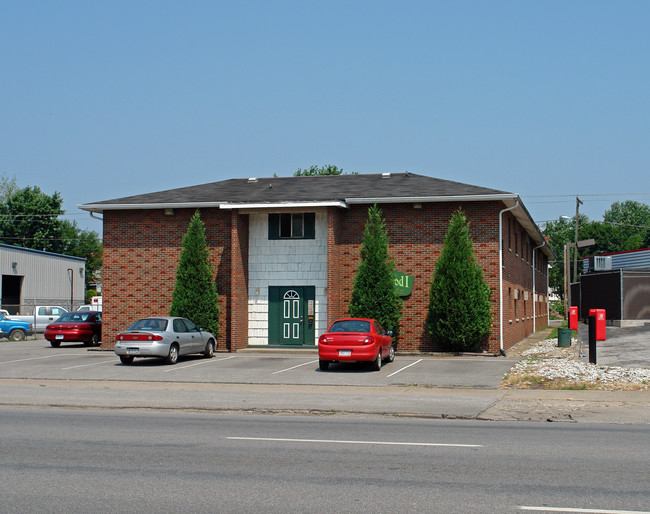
{"x":285,"y":252}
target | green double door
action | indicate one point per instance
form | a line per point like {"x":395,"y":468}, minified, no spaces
{"x":291,"y":315}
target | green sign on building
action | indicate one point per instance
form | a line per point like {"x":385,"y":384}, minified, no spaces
{"x":403,"y":283}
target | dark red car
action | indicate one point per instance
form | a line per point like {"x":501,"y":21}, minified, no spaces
{"x":84,"y":327}
{"x":356,"y":339}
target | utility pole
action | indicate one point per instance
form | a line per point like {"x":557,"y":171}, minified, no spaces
{"x":575,"y":258}
{"x":565,"y":272}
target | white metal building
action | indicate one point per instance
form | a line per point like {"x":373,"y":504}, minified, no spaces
{"x":34,"y":277}
{"x":632,"y":259}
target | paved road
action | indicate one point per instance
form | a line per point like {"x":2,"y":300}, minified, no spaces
{"x":94,"y":461}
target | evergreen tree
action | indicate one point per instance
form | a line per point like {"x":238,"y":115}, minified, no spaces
{"x":373,"y":292}
{"x":195,"y":292}
{"x":460,"y":315}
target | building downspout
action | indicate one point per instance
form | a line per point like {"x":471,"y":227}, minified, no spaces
{"x":534,"y":302}
{"x":501,"y":275}
{"x":548,"y":307}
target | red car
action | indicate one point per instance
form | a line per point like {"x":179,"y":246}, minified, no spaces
{"x":355,"y":339}
{"x":84,"y":327}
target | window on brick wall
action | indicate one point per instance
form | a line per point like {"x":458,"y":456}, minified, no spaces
{"x":526,"y":248}
{"x":509,"y":234}
{"x":517,"y":243}
{"x":296,"y":225}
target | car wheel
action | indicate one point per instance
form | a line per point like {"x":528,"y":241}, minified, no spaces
{"x":376,"y":364}
{"x":391,"y":354}
{"x":323,"y":365}
{"x":94,"y":340}
{"x":209,"y":349}
{"x":17,"y":335}
{"x":55,"y":344}
{"x":172,"y":357}
{"x":126,"y":359}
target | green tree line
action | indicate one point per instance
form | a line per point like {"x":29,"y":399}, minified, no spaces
{"x":625,"y":226}
{"x":29,"y":218}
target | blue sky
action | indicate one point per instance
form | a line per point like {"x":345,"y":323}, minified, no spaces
{"x":100,"y":100}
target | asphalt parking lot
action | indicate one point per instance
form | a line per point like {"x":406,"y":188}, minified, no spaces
{"x":36,"y":359}
{"x":627,"y":347}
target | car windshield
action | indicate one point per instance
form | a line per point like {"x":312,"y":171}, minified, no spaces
{"x":74,"y":316}
{"x":153,"y":325}
{"x":351,"y":325}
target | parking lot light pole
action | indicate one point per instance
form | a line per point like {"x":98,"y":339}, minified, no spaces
{"x":71,"y":273}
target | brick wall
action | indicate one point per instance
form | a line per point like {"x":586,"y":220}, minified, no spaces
{"x":518,"y":294}
{"x":142,"y":248}
{"x":141,"y":252}
{"x":236,"y":333}
{"x":416,"y":239}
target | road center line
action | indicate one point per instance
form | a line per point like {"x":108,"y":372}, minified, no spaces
{"x":205,"y":361}
{"x":588,"y":511}
{"x":336,"y":441}
{"x":293,"y":367}
{"x":405,"y":367}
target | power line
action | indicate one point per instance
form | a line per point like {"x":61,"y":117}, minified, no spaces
{"x":53,"y":215}
{"x":3,"y":238}
{"x":591,"y":194}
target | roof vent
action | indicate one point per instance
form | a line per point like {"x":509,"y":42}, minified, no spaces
{"x":385,"y":175}
{"x":252,"y":180}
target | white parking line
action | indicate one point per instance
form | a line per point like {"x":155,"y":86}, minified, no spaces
{"x":111,"y":361}
{"x":294,"y":367}
{"x":336,"y":441}
{"x":405,"y":367}
{"x":205,"y":361}
{"x":46,"y":357}
{"x":575,"y":509}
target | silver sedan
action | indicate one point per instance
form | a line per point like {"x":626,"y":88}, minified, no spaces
{"x":165,"y":336}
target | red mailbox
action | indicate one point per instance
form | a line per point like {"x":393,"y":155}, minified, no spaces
{"x":600,"y":323}
{"x":573,"y":318}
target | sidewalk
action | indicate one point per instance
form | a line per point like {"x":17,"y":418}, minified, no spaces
{"x":481,"y":404}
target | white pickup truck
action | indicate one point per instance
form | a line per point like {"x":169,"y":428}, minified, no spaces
{"x":41,"y":316}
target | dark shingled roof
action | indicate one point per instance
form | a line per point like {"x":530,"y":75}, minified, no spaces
{"x":305,"y":189}
{"x":324,"y":189}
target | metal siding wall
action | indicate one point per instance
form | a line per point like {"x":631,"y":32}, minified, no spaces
{"x":630,"y":260}
{"x":46,"y":277}
{"x":636,"y":295}
{"x":633,"y":260}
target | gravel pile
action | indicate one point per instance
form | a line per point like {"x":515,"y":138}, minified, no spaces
{"x":550,"y":362}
